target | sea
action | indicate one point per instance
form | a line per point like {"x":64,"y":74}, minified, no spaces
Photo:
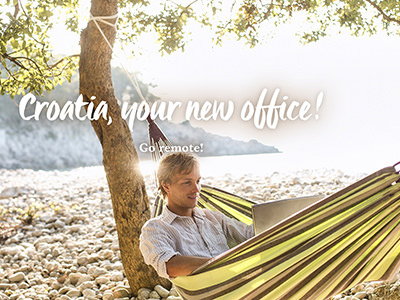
{"x":268,"y":163}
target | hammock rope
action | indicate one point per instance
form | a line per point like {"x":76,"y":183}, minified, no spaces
{"x":104,"y":19}
{"x":156,"y":137}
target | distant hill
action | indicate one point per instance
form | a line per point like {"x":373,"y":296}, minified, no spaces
{"x":68,"y":144}
{"x":213,"y":145}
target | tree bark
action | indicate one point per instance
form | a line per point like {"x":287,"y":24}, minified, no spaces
{"x":120,"y":159}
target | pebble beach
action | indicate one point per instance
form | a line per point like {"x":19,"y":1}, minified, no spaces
{"x":58,"y":238}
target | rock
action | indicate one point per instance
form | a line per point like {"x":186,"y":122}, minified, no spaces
{"x":143,"y":294}
{"x":64,"y":297}
{"x":53,"y":294}
{"x":75,"y":228}
{"x":88,"y":285}
{"x":17,"y":277}
{"x":64,"y":290}
{"x":118,"y":266}
{"x":96,"y":271}
{"x":173,"y":298}
{"x":83,"y":260}
{"x":56,"y":285}
{"x":93,"y":258}
{"x":108,"y":295}
{"x":154,"y":295}
{"x":68,"y":220}
{"x":5,"y":286}
{"x":102,"y":280}
{"x":74,"y":293}
{"x":115,"y":247}
{"x":357,"y":288}
{"x":46,"y":251}
{"x":24,"y":285}
{"x":173,"y":292}
{"x":116,"y":276}
{"x":82,"y":270}
{"x":59,"y":224}
{"x":88,"y":293}
{"x":12,"y":192}
{"x":100,"y":234}
{"x":14,"y":296}
{"x":122,"y":292}
{"x":163,"y":292}
{"x":52,"y":266}
{"x":369,"y":289}
{"x":84,"y":278}
{"x":62,"y":277}
{"x":360,"y":295}
{"x":106,"y":254}
{"x":74,"y":278}
{"x":11,"y":250}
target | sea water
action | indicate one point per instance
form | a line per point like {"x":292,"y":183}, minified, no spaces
{"x":290,"y":161}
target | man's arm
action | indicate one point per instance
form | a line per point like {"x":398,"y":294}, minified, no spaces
{"x":184,"y":265}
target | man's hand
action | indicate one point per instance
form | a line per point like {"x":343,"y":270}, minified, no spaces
{"x":184,"y":265}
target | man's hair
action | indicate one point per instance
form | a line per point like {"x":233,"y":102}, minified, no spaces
{"x":173,"y":164}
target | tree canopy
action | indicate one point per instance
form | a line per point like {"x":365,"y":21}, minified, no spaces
{"x":30,"y":65}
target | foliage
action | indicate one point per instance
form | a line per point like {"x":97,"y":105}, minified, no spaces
{"x":123,"y":89}
{"x":27,"y":61}
{"x":29,"y":65}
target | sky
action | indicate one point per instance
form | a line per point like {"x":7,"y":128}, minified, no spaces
{"x":359,"y":114}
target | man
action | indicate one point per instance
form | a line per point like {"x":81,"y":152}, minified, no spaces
{"x":185,"y":237}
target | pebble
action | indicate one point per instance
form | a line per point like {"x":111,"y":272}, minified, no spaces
{"x":360,"y":295}
{"x":74,"y":293}
{"x":102,"y":280}
{"x":122,"y":292}
{"x":108,"y":295}
{"x":74,"y":278}
{"x":88,"y":293}
{"x":83,"y":260}
{"x":143,"y":293}
{"x":5,"y":286}
{"x":100,"y":234}
{"x":116,"y":276}
{"x":17,"y":277}
{"x":161,"y":291}
{"x":154,"y":295}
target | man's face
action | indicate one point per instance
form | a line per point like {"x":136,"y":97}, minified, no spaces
{"x":183,"y":192}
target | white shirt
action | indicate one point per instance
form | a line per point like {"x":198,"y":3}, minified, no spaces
{"x":207,"y":234}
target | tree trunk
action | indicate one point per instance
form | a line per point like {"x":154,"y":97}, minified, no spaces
{"x":120,"y":159}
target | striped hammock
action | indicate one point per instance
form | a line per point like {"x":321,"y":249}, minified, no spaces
{"x":350,"y":237}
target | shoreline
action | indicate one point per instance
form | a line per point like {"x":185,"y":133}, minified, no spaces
{"x":70,"y":250}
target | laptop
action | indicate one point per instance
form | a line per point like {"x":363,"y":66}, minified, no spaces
{"x":267,"y":214}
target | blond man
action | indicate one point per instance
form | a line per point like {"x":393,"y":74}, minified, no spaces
{"x":184,"y":237}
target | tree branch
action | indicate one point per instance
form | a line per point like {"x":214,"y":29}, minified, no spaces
{"x":384,"y":15}
{"x":61,"y":60}
{"x":193,"y":2}
{"x":10,"y":73}
{"x":15,"y":16}
{"x":16,"y":9}
{"x":268,"y":13}
{"x":14,"y":60}
{"x":31,"y":60}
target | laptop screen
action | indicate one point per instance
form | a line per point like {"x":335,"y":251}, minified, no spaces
{"x":266,"y":215}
